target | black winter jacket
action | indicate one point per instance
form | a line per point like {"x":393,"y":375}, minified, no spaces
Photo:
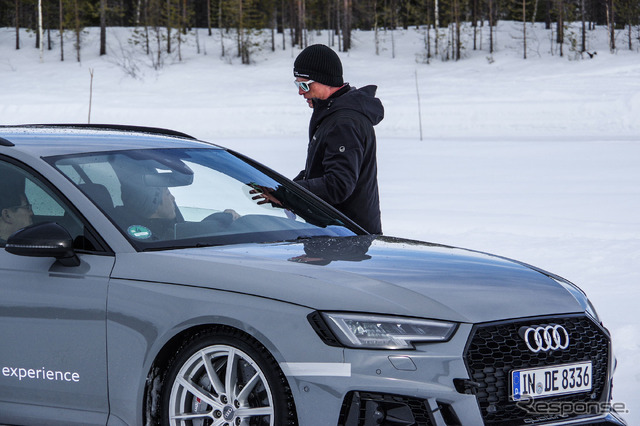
{"x":341,"y":166}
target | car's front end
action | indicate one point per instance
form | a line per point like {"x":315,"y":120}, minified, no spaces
{"x":408,"y":333}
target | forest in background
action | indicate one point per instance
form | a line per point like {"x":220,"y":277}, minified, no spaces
{"x":161,"y":26}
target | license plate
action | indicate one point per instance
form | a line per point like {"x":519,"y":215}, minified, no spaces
{"x":550,"y":381}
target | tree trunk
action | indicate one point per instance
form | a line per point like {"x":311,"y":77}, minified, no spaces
{"x":209,"y":17}
{"x":375,"y":27}
{"x":338,"y":25}
{"x":222,"y":52}
{"x":547,"y":21}
{"x":78,"y":29}
{"x":61,"y":32}
{"x":428,"y":41}
{"x":490,"y":26}
{"x":169,"y":26}
{"x":274,"y":24}
{"x":146,"y":27}
{"x":474,"y":23}
{"x":456,"y":9}
{"x":299,"y":24}
{"x":346,"y":27}
{"x":305,"y":41}
{"x":239,"y":32}
{"x":103,"y":27}
{"x":40,"y":31}
{"x":17,"y":24}
{"x":560,"y":31}
{"x":583,"y":44}
{"x":612,"y":26}
{"x":436,"y":12}
{"x":284,"y":40}
{"x":524,"y":27}
{"x":185,"y":21}
{"x":35,"y":23}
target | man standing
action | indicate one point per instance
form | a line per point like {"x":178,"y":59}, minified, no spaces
{"x":341,"y":166}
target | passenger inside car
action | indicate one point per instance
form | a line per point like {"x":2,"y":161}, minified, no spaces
{"x":15,"y":212}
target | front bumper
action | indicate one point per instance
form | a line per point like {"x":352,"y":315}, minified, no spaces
{"x":437,"y":385}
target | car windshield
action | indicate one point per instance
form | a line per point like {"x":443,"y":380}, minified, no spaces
{"x":170,"y":198}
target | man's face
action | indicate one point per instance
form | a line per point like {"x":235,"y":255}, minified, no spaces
{"x":20,"y":216}
{"x":316,"y":91}
{"x":166,"y":209}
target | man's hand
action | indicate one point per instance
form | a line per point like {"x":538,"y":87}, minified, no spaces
{"x":264,"y":195}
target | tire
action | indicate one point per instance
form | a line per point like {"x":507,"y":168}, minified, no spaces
{"x":202,"y":388}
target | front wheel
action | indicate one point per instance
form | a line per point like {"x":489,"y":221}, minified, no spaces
{"x":225,"y":379}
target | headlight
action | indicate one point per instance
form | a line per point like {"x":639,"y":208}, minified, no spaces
{"x":386,"y":332}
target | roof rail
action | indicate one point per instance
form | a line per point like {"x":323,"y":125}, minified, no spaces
{"x":118,"y":127}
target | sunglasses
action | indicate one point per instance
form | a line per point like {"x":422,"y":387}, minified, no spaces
{"x":22,"y":206}
{"x":304,"y":85}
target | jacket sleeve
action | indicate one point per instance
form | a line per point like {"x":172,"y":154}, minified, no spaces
{"x":342,"y":161}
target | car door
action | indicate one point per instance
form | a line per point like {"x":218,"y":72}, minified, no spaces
{"x":52,"y":320}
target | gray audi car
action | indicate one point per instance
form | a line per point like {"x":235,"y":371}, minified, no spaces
{"x":152,"y":278}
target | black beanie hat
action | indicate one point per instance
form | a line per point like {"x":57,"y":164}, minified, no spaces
{"x":319,"y":63}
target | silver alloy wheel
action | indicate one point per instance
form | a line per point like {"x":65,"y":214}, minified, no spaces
{"x":221,"y":385}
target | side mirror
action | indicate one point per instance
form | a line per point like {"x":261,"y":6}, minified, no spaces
{"x":44,"y":240}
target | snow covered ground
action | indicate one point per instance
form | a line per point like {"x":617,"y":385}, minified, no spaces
{"x":535,"y":159}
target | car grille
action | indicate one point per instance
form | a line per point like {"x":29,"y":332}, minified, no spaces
{"x":495,"y":349}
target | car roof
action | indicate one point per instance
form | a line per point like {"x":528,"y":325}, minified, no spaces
{"x":44,"y":140}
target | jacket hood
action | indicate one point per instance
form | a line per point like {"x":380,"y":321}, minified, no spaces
{"x":365,"y":274}
{"x":362,"y":100}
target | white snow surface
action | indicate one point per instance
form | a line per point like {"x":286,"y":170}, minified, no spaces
{"x":535,"y":159}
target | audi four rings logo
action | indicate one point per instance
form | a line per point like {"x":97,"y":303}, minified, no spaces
{"x":545,"y":338}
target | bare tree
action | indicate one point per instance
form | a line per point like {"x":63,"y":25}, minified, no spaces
{"x":17,"y":24}
{"x":612,"y":25}
{"x":491,"y":23}
{"x":103,"y":27}
{"x":78,"y":29}
{"x":61,"y":31}
{"x":560,"y":29}
{"x":346,"y":26}
{"x":222,"y":50}
{"x":240,"y":33}
{"x":169,"y":14}
{"x":209,"y":16}
{"x":375,"y":26}
{"x":40,"y":31}
{"x":583,"y":46}
{"x":437,"y":23}
{"x":474,"y":21}
{"x":524,"y":27}
{"x":456,"y":17}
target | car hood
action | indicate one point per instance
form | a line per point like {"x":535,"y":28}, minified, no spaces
{"x":364,"y":274}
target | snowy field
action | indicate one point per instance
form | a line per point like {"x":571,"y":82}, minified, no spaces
{"x":535,"y":159}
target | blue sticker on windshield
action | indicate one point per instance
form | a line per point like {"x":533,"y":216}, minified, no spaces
{"x":140,"y":232}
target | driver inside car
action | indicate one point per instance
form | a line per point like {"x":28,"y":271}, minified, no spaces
{"x":153,"y":207}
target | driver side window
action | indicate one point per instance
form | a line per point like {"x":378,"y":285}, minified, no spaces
{"x":25,"y":200}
